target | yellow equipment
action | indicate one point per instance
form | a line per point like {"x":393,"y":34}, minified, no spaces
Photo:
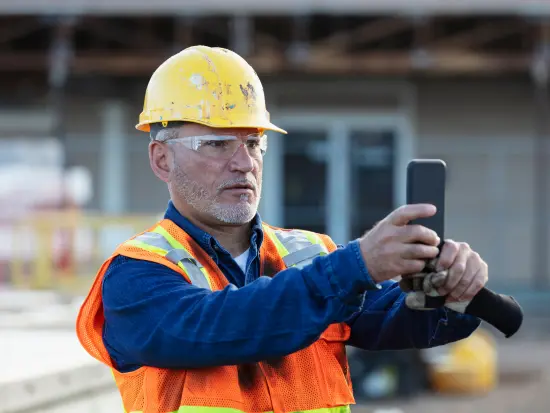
{"x":211,"y":86}
{"x":469,"y":368}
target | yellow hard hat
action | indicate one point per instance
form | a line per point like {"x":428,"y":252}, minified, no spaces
{"x":211,"y":86}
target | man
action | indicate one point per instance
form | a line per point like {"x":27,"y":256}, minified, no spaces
{"x":212,"y":309}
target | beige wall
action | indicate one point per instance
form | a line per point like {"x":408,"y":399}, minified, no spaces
{"x":485,"y":132}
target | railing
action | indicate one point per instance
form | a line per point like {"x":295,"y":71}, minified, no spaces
{"x":62,"y":250}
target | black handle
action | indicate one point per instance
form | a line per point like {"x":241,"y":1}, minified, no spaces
{"x":501,"y":311}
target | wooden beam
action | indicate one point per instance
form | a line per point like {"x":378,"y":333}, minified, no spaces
{"x":366,"y":33}
{"x":402,"y":63}
{"x":117,"y":64}
{"x":479,"y":35}
{"x":270,"y":62}
{"x":265,"y":40}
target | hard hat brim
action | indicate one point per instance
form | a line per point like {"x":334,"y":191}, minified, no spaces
{"x":144,"y":127}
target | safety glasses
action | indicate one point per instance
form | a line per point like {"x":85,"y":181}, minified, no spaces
{"x":224,"y":147}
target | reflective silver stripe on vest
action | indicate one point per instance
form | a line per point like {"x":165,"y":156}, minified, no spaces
{"x":175,"y":256}
{"x":191,"y":265}
{"x":293,"y":240}
{"x":304,"y":256}
{"x":301,"y":251}
{"x":154,"y":239}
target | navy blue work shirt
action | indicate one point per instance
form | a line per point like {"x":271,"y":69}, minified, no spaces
{"x":154,"y":317}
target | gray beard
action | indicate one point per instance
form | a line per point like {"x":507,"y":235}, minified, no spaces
{"x":201,"y":200}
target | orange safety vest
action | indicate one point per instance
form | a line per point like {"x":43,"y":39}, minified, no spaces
{"x":314,"y":379}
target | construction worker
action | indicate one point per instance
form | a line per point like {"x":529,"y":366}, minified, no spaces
{"x":213,"y":310}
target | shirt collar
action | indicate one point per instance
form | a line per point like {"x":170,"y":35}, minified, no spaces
{"x":204,"y":239}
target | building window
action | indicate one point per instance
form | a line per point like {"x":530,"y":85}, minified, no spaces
{"x":305,"y":187}
{"x":371,"y":178}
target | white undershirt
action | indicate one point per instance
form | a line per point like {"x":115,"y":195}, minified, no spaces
{"x":242,"y":259}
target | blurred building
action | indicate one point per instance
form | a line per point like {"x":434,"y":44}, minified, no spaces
{"x":361,"y":86}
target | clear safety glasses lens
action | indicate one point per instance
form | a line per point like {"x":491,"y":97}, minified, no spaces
{"x":224,"y":146}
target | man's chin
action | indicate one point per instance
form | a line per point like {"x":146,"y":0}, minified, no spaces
{"x":236,"y":214}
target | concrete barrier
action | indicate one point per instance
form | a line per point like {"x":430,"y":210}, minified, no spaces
{"x":43,"y":364}
{"x":55,"y":389}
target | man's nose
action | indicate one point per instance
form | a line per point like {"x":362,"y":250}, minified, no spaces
{"x":241,"y":160}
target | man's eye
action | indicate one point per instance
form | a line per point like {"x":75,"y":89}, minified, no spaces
{"x":253,"y":144}
{"x":215,"y":144}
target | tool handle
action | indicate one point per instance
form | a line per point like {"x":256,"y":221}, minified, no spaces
{"x":501,"y":311}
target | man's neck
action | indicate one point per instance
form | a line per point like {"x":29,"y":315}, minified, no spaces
{"x":234,"y":238}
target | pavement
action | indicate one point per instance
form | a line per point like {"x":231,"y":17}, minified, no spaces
{"x":45,"y":369}
{"x":524,"y":387}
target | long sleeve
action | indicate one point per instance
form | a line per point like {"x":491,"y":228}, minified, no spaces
{"x":386,"y":323}
{"x":154,"y":317}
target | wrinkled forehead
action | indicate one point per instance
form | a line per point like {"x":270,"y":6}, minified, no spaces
{"x":195,"y":129}
{"x":184,"y":129}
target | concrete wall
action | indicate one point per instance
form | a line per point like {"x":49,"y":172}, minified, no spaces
{"x":485,"y":132}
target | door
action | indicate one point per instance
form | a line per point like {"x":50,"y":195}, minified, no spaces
{"x":336,"y":175}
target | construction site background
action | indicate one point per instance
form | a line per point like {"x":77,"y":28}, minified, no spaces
{"x":362,"y":88}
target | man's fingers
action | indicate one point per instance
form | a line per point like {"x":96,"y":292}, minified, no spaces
{"x":406,"y":213}
{"x":419,"y":251}
{"x":449,"y":252}
{"x":409,"y":267}
{"x":475,"y":286}
{"x":456,"y":271}
{"x":418,"y":233}
{"x":466,"y":281}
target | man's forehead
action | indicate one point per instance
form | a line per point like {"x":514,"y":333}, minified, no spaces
{"x":191,"y":129}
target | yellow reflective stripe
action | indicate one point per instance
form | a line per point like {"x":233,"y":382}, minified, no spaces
{"x":203,"y":270}
{"x":316,"y":239}
{"x":204,"y":409}
{"x":207,"y":277}
{"x":278,"y":244}
{"x":313,"y":238}
{"x":171,"y":240}
{"x":146,"y":247}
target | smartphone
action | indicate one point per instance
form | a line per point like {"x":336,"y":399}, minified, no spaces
{"x":426,"y":180}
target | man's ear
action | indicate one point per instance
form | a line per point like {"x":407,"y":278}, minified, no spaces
{"x":160,"y":159}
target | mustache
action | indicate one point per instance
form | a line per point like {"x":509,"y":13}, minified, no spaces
{"x":238,"y":181}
